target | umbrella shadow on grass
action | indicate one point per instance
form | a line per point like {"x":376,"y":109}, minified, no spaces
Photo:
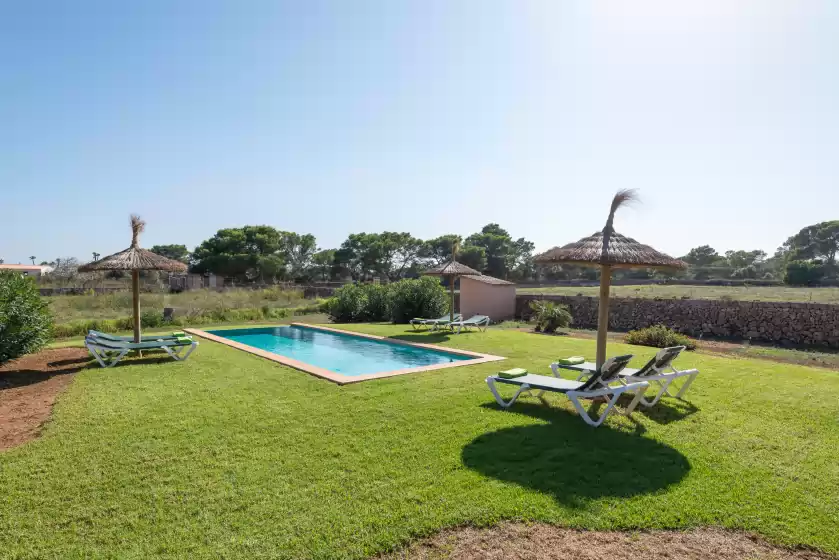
{"x":573,"y":461}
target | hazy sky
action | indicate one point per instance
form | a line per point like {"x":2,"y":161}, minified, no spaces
{"x":430,"y":116}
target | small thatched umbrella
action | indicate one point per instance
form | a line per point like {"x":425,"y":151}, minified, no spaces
{"x":609,"y":249}
{"x":135,"y":260}
{"x":452,"y":270}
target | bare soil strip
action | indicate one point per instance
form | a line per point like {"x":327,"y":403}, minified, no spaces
{"x":28,"y":389}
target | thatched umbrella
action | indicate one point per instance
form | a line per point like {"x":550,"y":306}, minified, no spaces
{"x":135,"y":259}
{"x":452,"y":270}
{"x":609,"y":249}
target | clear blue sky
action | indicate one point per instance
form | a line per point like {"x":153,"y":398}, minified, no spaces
{"x":427,"y":116}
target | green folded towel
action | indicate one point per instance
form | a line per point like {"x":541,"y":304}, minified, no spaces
{"x":183,"y":340}
{"x":572,"y":361}
{"x":512,"y":373}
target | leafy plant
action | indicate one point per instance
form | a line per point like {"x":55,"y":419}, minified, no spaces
{"x":803,"y":273}
{"x":659,"y":336}
{"x":420,"y":297}
{"x":25,"y":319}
{"x":348,"y":304}
{"x":379,"y":302}
{"x":550,"y":315}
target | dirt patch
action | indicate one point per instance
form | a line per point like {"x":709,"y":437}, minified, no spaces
{"x":517,"y":541}
{"x":28,"y":388}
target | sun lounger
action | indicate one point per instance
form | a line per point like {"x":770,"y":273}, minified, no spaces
{"x":147,"y":338}
{"x":658,"y":370}
{"x":576,"y":390}
{"x":480,"y":322}
{"x":109,"y":353}
{"x":418,"y":322}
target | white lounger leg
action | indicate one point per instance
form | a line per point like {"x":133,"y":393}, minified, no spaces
{"x":177,"y":351}
{"x":505,"y":404}
{"x":691,"y":375}
{"x":105,"y":356}
{"x":615,"y":392}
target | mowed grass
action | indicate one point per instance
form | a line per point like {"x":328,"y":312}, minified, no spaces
{"x":745,"y":293}
{"x":230,"y":455}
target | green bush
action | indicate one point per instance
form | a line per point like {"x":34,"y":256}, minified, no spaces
{"x":803,"y":273}
{"x":151,"y":319}
{"x":354,"y":303}
{"x":348,"y":304}
{"x":25,"y":319}
{"x":379,"y":302}
{"x":659,"y":336}
{"x":421,"y":297}
{"x":550,"y":315}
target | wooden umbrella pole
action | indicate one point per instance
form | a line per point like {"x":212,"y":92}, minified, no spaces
{"x":135,"y":287}
{"x":451,"y":290}
{"x":603,"y":313}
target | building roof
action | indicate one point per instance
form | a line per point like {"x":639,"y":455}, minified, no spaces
{"x":491,"y":280}
{"x":452,"y":268}
{"x":21,"y":267}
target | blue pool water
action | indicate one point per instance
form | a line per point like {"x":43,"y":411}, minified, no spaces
{"x":342,"y":353}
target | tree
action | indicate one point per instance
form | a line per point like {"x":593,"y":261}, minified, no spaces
{"x":472,"y":256}
{"x":819,"y":241}
{"x":95,"y":256}
{"x":25,"y":320}
{"x":322,"y":262}
{"x":439,"y":250}
{"x":174,"y":252}
{"x":743,"y":259}
{"x":65,"y":269}
{"x":297,"y":252}
{"x":803,"y":273}
{"x":704,"y":255}
{"x":520,"y":258}
{"x":388,"y":254}
{"x":33,"y":260}
{"x":495,"y":242}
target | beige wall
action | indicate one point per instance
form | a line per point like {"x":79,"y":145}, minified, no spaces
{"x":478,"y":298}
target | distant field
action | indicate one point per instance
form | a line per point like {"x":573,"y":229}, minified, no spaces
{"x":754,"y":293}
{"x":118,"y":304}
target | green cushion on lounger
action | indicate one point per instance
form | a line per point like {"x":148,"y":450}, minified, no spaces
{"x":572,"y":361}
{"x":178,"y":334}
{"x":512,"y":373}
{"x":184,"y":340}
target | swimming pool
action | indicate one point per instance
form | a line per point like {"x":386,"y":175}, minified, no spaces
{"x":341,"y":356}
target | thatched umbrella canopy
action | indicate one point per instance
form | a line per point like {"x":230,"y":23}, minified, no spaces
{"x":452,"y":270}
{"x":135,"y":259}
{"x":608,"y":249}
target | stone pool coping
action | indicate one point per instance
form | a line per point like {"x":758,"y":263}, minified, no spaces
{"x":338,"y":378}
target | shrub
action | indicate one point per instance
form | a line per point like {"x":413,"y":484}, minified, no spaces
{"x":659,"y":336}
{"x":150,"y":319}
{"x":803,"y":273}
{"x":348,"y":304}
{"x":378,"y":305}
{"x":420,"y":297}
{"x":550,"y":315}
{"x":25,"y":319}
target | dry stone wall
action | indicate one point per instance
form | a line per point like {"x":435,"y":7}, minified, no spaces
{"x":811,"y":324}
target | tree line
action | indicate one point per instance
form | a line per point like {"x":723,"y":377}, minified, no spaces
{"x":265,"y":254}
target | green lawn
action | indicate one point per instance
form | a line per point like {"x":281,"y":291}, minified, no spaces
{"x":230,"y":455}
{"x":746,"y":293}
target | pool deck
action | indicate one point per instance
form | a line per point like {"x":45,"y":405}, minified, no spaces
{"x":346,"y":379}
